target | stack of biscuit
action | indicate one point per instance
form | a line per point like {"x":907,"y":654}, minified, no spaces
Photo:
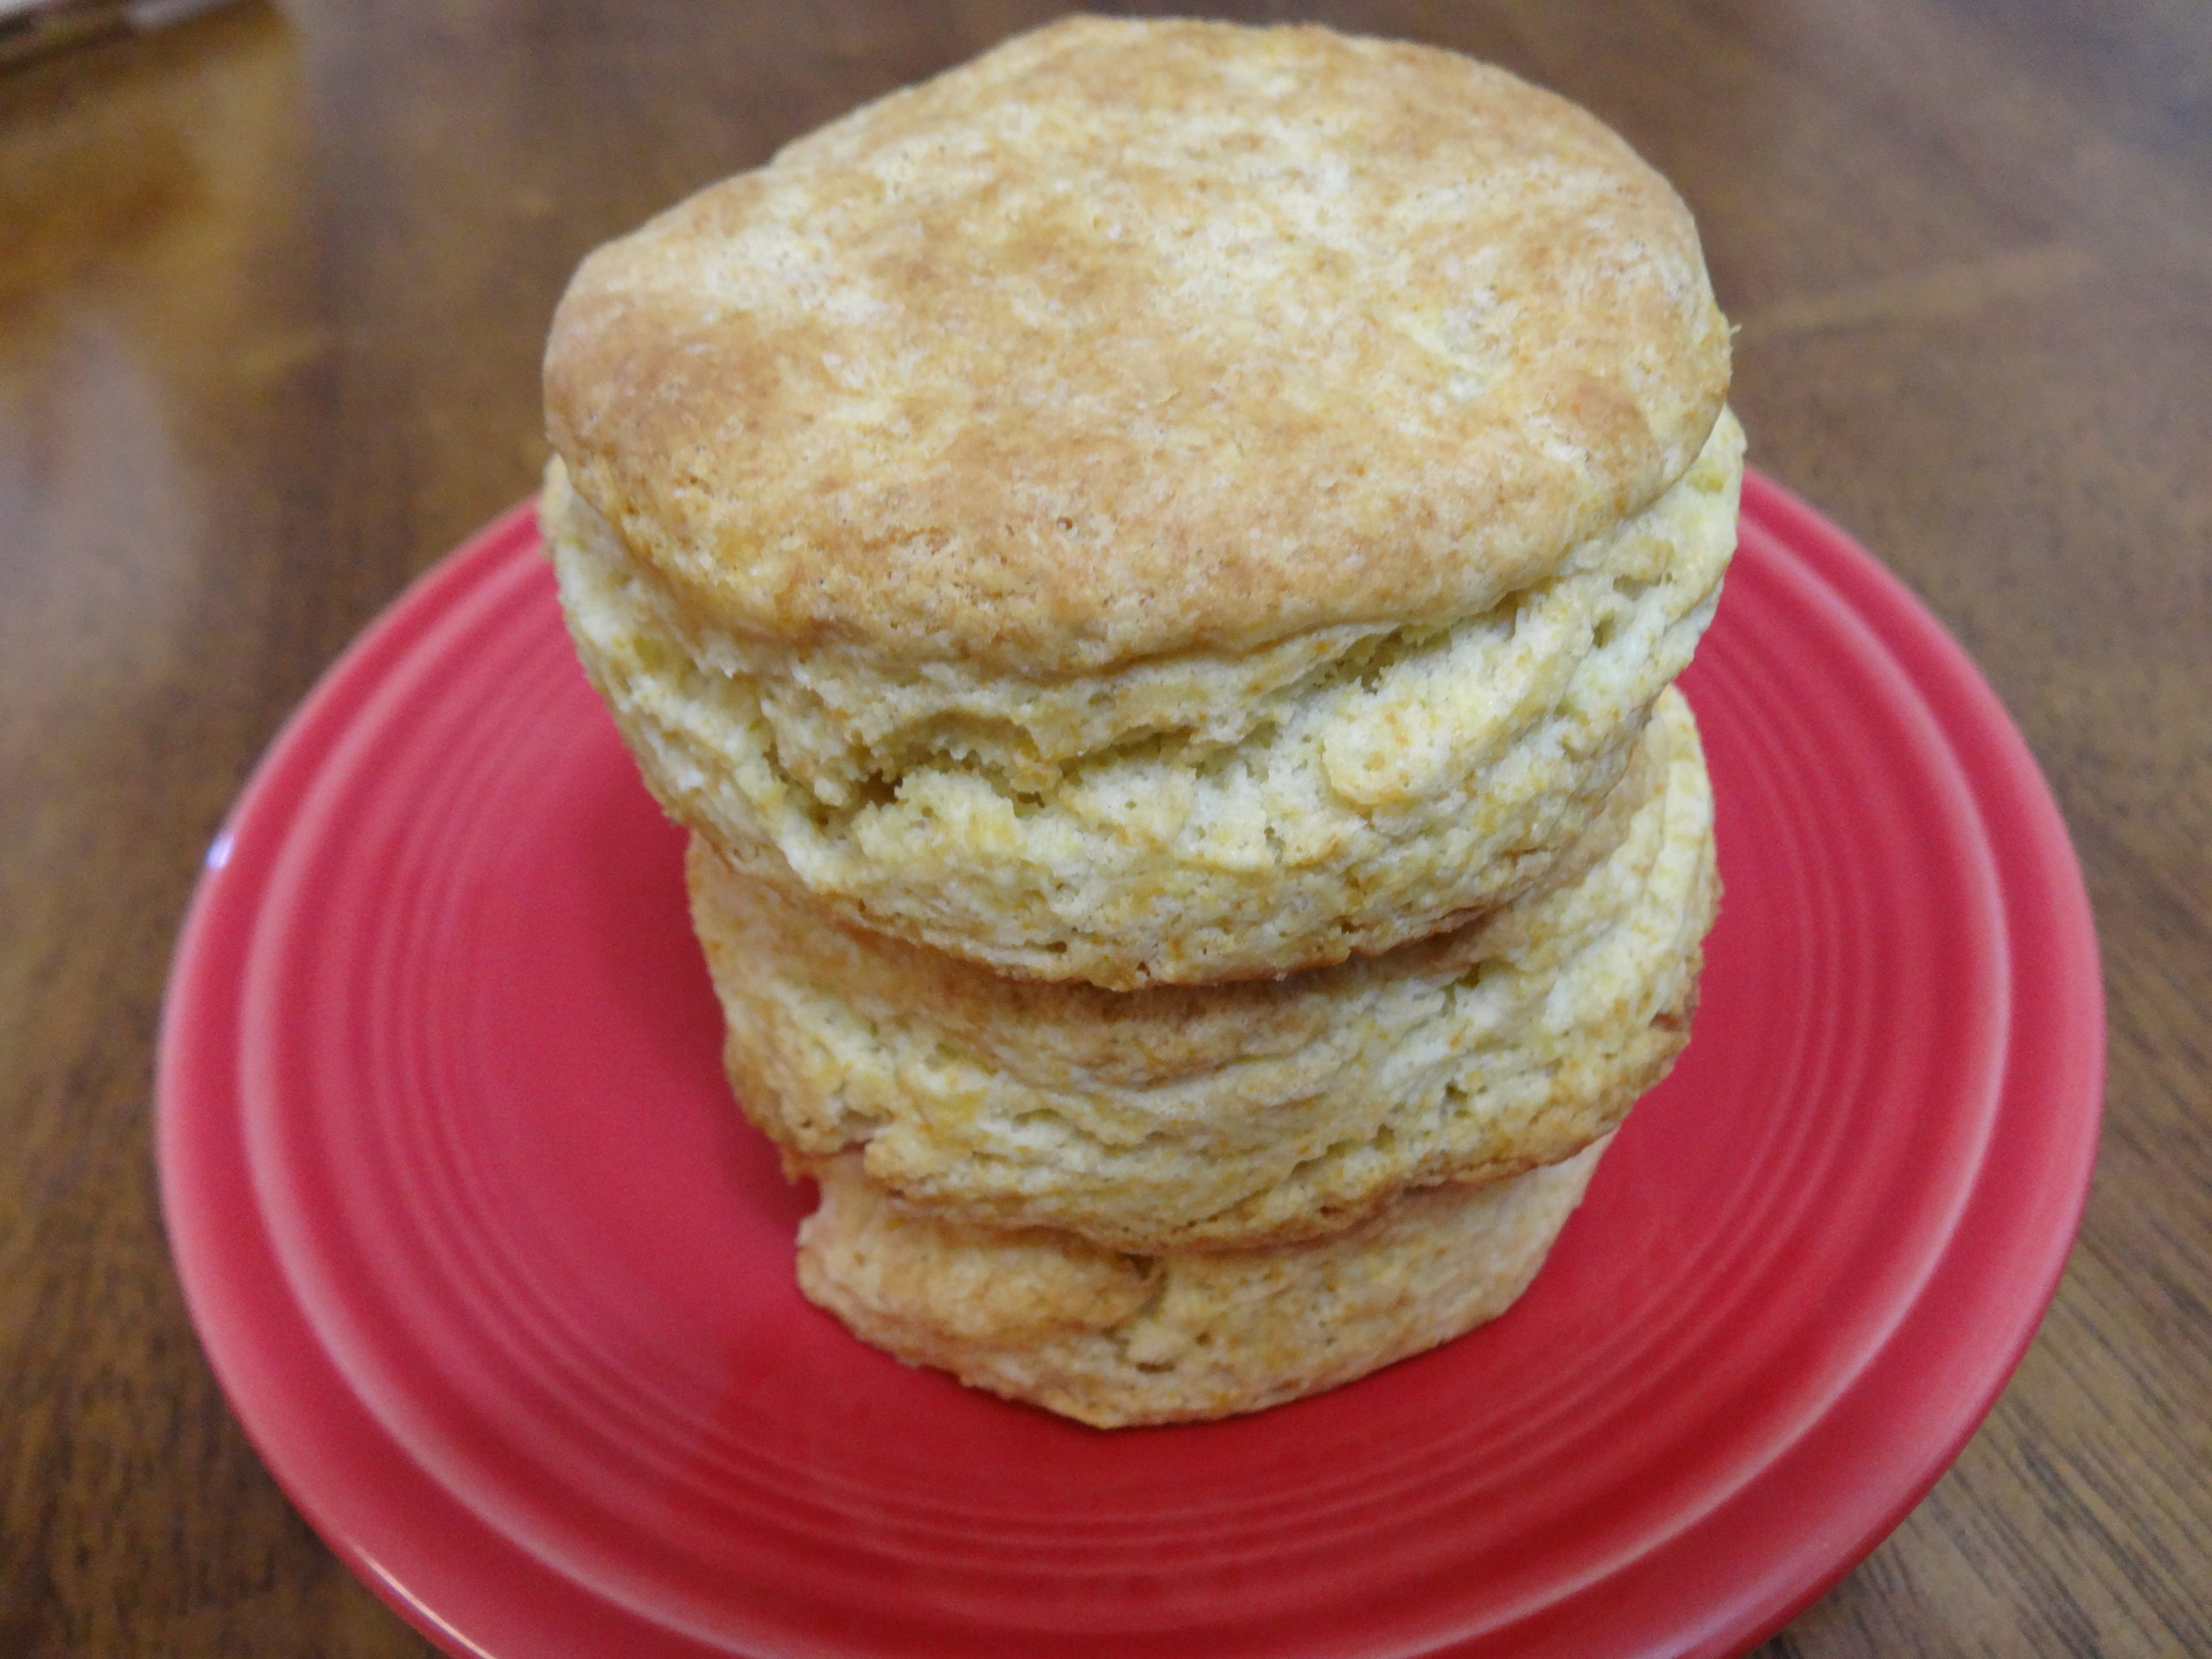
{"x":1152,"y":566}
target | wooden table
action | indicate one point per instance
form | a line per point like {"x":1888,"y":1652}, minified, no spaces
{"x":272,"y":290}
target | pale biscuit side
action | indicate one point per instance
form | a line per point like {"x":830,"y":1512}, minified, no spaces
{"x":1114,"y":1339}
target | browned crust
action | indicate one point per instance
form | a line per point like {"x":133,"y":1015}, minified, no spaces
{"x":1134,"y":338}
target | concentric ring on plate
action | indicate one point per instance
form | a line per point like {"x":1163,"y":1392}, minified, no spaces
{"x":443,"y":992}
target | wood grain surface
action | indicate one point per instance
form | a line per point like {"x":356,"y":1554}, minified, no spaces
{"x":273,"y":285}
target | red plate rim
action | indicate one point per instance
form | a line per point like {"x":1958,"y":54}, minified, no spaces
{"x":1978,"y":1309}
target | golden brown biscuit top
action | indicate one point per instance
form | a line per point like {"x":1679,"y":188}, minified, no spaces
{"x":1130,"y":338}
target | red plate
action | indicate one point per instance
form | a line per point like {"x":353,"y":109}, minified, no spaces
{"x":501,"y":1284}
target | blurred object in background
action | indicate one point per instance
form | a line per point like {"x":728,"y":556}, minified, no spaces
{"x":30,"y":28}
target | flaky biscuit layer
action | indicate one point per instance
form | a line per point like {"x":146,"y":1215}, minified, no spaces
{"x":1185,"y":820}
{"x":1195,"y":1117}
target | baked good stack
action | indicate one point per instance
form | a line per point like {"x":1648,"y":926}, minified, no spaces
{"x":1152,"y":565}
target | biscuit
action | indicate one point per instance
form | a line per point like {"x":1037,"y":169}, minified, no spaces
{"x":1187,"y":1117}
{"x":1163,"y":502}
{"x":1114,"y":1339}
